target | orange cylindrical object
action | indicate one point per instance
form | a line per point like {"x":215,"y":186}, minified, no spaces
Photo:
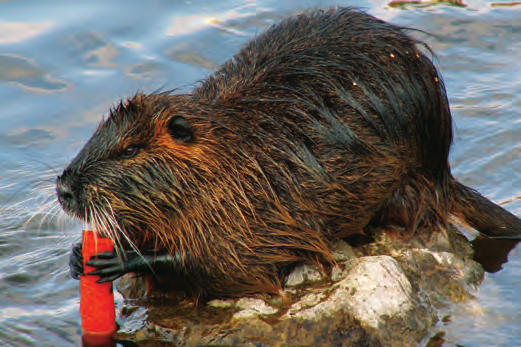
{"x":98,"y":313}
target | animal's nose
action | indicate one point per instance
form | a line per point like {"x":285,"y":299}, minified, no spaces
{"x":65,"y":194}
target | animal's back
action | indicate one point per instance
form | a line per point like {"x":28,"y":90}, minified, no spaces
{"x":352,"y":108}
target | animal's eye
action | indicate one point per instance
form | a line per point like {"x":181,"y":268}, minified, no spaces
{"x":129,"y":152}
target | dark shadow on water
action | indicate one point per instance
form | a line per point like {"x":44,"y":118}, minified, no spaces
{"x":94,"y":340}
{"x":492,"y":253}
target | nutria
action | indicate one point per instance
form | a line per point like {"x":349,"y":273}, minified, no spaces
{"x":327,"y":123}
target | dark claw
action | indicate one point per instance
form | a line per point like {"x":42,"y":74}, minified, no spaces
{"x":109,"y":267}
{"x":76,"y":261}
{"x":109,"y":278}
{"x":103,"y":255}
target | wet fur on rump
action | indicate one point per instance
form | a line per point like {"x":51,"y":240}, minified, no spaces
{"x":327,"y":122}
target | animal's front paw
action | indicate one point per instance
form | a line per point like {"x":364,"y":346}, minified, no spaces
{"x":111,"y":265}
{"x":76,"y":261}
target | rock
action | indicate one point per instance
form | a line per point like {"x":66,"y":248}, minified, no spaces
{"x":441,"y":275}
{"x":376,"y":287}
{"x":377,"y":294}
{"x":342,"y":251}
{"x":304,"y":274}
{"x":339,"y":272}
{"x":305,"y":302}
{"x":252,"y":307}
{"x":221,"y":303}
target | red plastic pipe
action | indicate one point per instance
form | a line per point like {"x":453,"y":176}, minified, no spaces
{"x":98,"y":313}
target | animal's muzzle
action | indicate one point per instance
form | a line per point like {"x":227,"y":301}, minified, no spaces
{"x":66,"y":196}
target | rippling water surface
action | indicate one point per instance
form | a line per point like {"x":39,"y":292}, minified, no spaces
{"x":62,"y":64}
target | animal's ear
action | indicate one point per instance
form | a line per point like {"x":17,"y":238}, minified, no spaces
{"x":179,"y":129}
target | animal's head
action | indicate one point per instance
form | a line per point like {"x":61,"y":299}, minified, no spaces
{"x":133,"y":173}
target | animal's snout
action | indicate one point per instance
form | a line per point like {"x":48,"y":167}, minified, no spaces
{"x":65,"y":194}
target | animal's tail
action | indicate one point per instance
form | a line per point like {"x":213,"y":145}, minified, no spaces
{"x":481,"y":213}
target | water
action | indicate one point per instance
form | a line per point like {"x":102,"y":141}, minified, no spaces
{"x":63,"y":64}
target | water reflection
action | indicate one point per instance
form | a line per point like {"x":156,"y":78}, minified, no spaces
{"x":28,"y":74}
{"x":95,"y":49}
{"x":13,"y":32}
{"x":197,"y":22}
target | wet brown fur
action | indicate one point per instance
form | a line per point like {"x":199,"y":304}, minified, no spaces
{"x":329,"y":122}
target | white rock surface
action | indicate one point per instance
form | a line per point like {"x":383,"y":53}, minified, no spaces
{"x":304,"y":274}
{"x":374,"y":286}
{"x":252,"y":307}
